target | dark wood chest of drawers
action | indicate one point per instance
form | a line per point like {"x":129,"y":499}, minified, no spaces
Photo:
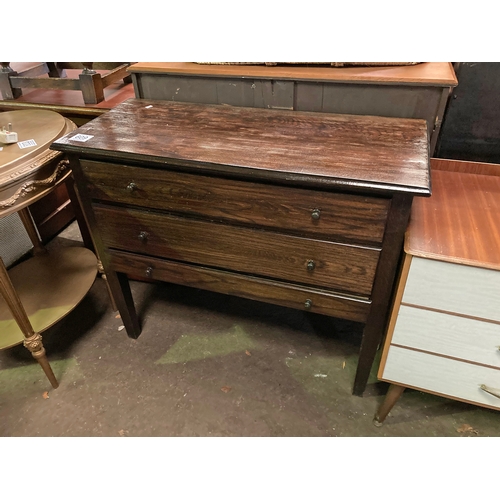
{"x":304,"y":210}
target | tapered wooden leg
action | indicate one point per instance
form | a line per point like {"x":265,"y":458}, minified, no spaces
{"x":120,"y":289}
{"x":391,"y":398}
{"x":79,"y":215}
{"x":29,"y":225}
{"x":33,"y":341}
{"x":100,"y":268}
{"x":84,"y":230}
{"x":383,"y":286}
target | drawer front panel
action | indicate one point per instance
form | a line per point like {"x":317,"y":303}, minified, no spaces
{"x":249,"y":287}
{"x":339,"y":267}
{"x":332,"y":216}
{"x":466,"y":290}
{"x":447,"y":377}
{"x":442,"y":333}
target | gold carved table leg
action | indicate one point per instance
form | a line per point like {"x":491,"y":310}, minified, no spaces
{"x":33,"y":341}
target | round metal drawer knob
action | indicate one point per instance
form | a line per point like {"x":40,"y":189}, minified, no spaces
{"x":311,"y":265}
{"x":308,"y":304}
{"x":132,"y":186}
{"x":315,"y":214}
{"x":149,"y":272}
{"x":143,"y":235}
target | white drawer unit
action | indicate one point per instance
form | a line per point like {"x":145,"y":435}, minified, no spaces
{"x":443,"y":335}
{"x":455,"y":288}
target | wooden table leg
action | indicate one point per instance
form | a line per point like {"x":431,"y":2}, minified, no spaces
{"x":79,"y":215}
{"x":33,"y":341}
{"x":120,"y":288}
{"x":391,"y":398}
{"x":6,"y":89}
{"x":84,"y":230}
{"x":91,"y":85}
{"x":29,"y":225}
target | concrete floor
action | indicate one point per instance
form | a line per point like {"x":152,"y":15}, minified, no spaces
{"x":208,"y":365}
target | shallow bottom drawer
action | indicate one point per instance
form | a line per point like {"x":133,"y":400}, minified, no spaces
{"x":442,"y":376}
{"x":283,"y":294}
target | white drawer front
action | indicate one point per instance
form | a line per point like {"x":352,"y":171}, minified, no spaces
{"x":441,"y":375}
{"x":472,"y":291}
{"x":443,"y":333}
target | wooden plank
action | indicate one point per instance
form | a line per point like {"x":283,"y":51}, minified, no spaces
{"x":454,"y":288}
{"x":19,"y":82}
{"x":95,"y":65}
{"x":460,"y":222}
{"x":114,"y":75}
{"x":430,"y":73}
{"x":351,"y":151}
{"x":446,"y":334}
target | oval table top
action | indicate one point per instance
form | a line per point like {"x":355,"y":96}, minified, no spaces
{"x":25,"y":161}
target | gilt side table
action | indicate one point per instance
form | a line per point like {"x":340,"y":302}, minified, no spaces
{"x":40,"y":291}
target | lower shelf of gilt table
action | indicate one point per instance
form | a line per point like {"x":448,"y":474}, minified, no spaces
{"x":49,"y":286}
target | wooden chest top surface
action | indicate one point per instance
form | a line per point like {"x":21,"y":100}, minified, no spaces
{"x":388,"y":154}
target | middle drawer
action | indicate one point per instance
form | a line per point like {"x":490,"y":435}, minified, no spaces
{"x":324,"y":215}
{"x":344,"y":268}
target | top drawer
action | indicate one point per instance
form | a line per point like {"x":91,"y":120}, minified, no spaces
{"x":324,"y":215}
{"x":454,"y":288}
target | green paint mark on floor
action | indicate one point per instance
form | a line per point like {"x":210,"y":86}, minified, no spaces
{"x":21,"y":378}
{"x":327,"y":378}
{"x":196,"y":347}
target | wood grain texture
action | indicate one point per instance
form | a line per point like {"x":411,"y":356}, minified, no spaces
{"x":228,"y":247}
{"x":383,"y":288}
{"x":342,"y":217}
{"x":118,"y":284}
{"x":436,"y":73}
{"x":338,"y":267}
{"x":249,"y":287}
{"x":374,"y":153}
{"x":460,"y":222}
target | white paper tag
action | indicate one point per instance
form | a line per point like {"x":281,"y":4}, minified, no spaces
{"x":27,"y":144}
{"x":81,"y":137}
